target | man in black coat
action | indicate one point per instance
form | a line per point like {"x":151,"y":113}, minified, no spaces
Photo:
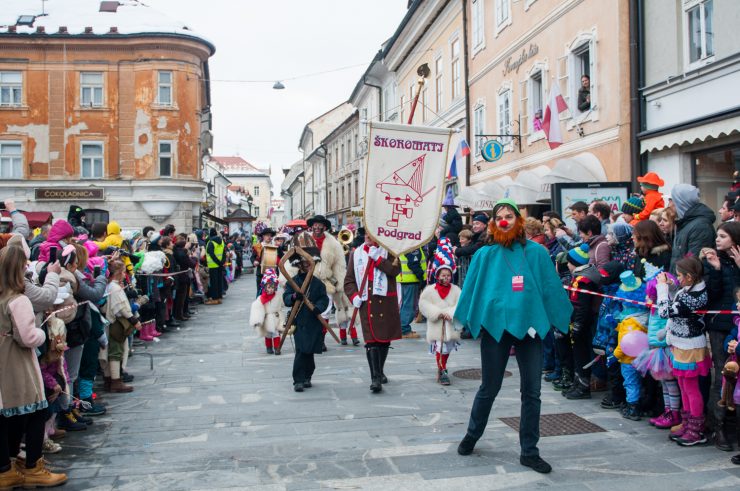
{"x":309,"y":334}
{"x":480,"y":223}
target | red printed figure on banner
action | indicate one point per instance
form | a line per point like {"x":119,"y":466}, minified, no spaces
{"x":402,"y":190}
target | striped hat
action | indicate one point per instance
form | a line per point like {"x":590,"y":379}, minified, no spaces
{"x":578,"y":256}
{"x":633,"y":205}
{"x":443,"y":256}
{"x":269,"y":276}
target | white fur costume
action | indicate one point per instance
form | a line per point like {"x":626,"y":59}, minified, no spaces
{"x":268,"y":319}
{"x":431,"y":305}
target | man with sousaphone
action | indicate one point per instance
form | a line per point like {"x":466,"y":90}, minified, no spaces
{"x":264,"y":255}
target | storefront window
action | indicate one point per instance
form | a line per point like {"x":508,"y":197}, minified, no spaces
{"x":713,"y":171}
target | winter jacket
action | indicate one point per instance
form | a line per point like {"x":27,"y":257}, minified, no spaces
{"x":685,"y":328}
{"x":115,"y":239}
{"x":308,"y":335}
{"x":41,"y":297}
{"x":660,"y":257}
{"x":20,"y":227}
{"x":554,"y":248}
{"x":694,"y":231}
{"x":624,"y":327}
{"x":58,"y":232}
{"x":585,"y":305}
{"x":624,"y":253}
{"x":431,"y":305}
{"x":721,"y":286}
{"x":476,"y":242}
{"x":599,"y":252}
{"x":268,"y":319}
{"x":653,"y":201}
{"x":454,"y":221}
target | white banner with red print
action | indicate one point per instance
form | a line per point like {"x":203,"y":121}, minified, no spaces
{"x":404,"y":184}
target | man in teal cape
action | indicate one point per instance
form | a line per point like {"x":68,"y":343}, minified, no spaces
{"x":512,"y":295}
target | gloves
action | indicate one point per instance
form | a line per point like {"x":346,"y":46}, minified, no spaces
{"x":298,"y":295}
{"x":374,"y":253}
{"x":357,"y":301}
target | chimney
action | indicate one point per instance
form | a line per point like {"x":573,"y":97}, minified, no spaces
{"x":63,"y":30}
{"x":113,"y":30}
{"x":40,"y":29}
{"x":88,"y":30}
{"x":11,"y":29}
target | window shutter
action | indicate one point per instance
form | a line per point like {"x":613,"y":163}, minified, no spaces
{"x":564,"y":87}
{"x":524,"y":107}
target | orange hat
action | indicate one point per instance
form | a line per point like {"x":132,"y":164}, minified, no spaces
{"x":651,"y":178}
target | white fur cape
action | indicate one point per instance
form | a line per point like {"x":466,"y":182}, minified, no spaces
{"x":431,"y":305}
{"x":268,"y":318}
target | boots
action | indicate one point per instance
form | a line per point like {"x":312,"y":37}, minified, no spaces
{"x":117,"y":384}
{"x":579,"y":390}
{"x":106,"y":384}
{"x":145,"y":334}
{"x":40,"y":476}
{"x":276,"y":344}
{"x":678,"y":430}
{"x":721,"y":441}
{"x":565,"y":382}
{"x":268,"y":346}
{"x":666,"y":420}
{"x":373,"y":360}
{"x":632,"y":412}
{"x":693,"y":434}
{"x":12,"y":478}
{"x":383,"y":355}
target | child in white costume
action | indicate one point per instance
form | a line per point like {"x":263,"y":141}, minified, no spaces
{"x":438,"y":303}
{"x":267,"y":315}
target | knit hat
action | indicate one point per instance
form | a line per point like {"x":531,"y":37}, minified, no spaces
{"x":622,"y":231}
{"x":610,"y":272}
{"x":443,"y":256}
{"x":651,"y":180}
{"x":269,"y":276}
{"x":633,"y":205}
{"x":684,"y":196}
{"x":212,"y":232}
{"x":506,"y":202}
{"x":578,"y":256}
{"x":480,"y":217}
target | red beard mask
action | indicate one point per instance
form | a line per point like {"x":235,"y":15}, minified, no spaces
{"x":506,"y":238}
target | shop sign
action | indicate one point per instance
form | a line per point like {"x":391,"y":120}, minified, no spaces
{"x":513,"y":64}
{"x":563,"y":195}
{"x":69,"y":194}
{"x":492,"y":150}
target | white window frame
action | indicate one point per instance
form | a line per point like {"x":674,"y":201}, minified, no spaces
{"x":256,"y":210}
{"x":424,"y":103}
{"x":477,"y":17}
{"x":574,"y":80}
{"x":10,"y":162}
{"x":479,"y":127}
{"x":94,"y":89}
{"x":502,"y":7}
{"x":504,"y":111}
{"x":455,"y":69}
{"x":530,"y":108}
{"x":165,"y":85}
{"x":12,"y":88}
{"x":170,"y":155}
{"x":438,"y":84}
{"x":705,"y":58}
{"x":92,"y":158}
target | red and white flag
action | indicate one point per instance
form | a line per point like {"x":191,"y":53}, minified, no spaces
{"x":551,"y":121}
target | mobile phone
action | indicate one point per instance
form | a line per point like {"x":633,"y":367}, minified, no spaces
{"x":96,"y":272}
{"x":2,"y":205}
{"x":52,"y":255}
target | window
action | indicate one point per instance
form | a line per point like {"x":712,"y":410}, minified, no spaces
{"x":336,"y":158}
{"x":344,"y":155}
{"x":350,"y":154}
{"x":349,"y":193}
{"x":357,"y":191}
{"x":330,"y":201}
{"x":164,"y":88}
{"x":479,"y":128}
{"x":583,"y":78}
{"x":455,"y":51}
{"x":342,"y":204}
{"x":91,"y":89}
{"x":503,"y":13}
{"x":536,"y":96}
{"x":504,"y":115}
{"x":438,"y":83}
{"x":700,"y":34}
{"x":92,"y":160}
{"x":478,"y":24}
{"x":256,"y":211}
{"x":256,"y":193}
{"x":11,"y":160}
{"x":357,"y":145}
{"x":165,"y":159}
{"x":363,"y":121}
{"x":11,"y":88}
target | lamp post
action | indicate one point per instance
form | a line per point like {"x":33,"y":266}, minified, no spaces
{"x":250,"y":200}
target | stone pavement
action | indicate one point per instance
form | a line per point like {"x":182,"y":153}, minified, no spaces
{"x":216,"y":412}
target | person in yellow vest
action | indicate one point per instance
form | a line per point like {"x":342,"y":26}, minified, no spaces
{"x":413,"y":267}
{"x":215,"y":260}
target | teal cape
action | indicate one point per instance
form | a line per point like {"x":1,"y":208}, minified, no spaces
{"x":488,"y":300}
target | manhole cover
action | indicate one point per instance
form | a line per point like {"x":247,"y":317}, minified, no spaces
{"x":559,"y":424}
{"x":474,"y":374}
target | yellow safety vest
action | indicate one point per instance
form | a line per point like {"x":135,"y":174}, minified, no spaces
{"x":218,"y":251}
{"x":408,"y":276}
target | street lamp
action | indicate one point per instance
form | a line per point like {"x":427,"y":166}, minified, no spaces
{"x":250,"y":200}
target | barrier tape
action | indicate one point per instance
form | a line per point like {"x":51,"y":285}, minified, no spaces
{"x":649,"y":305}
{"x":164,"y":274}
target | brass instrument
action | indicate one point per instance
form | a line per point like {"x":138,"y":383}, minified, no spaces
{"x":345,"y":238}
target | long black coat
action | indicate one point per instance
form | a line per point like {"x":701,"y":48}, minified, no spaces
{"x":309,"y":337}
{"x":721,"y":289}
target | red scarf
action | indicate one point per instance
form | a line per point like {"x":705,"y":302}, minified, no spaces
{"x":266,"y":297}
{"x":319,"y":241}
{"x":443,"y":290}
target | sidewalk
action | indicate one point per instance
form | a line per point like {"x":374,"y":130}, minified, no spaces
{"x":218,"y":413}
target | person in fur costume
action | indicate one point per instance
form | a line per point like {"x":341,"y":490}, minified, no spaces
{"x":267,"y":315}
{"x":438,"y":303}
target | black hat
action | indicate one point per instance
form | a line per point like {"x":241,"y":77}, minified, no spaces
{"x":736,"y":207}
{"x":481,"y":217}
{"x":319,"y":219}
{"x":212,"y":232}
{"x":610,"y":272}
{"x":267,"y":231}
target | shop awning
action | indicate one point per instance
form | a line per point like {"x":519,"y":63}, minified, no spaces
{"x":483,"y":196}
{"x":584,"y":167}
{"x":35,"y":218}
{"x":688,"y":136}
{"x":526,"y":186}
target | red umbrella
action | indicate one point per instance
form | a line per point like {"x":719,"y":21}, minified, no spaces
{"x":298,"y":222}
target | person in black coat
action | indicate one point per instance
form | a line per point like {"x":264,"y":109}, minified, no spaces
{"x":651,"y":246}
{"x":184,"y":263}
{"x":309,"y":334}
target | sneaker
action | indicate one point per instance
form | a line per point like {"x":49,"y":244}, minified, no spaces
{"x":344,"y":342}
{"x":307,"y":384}
{"x":50,"y":446}
{"x":67,"y":421}
{"x":466,"y":445}
{"x":632,"y":412}
{"x":81,"y":418}
{"x":95,"y":409}
{"x":444,"y":378}
{"x":411,"y":335}
{"x":298,"y":387}
{"x":608,"y":403}
{"x":536,"y":464}
{"x":40,"y":476}
{"x":552,"y":377}
{"x":127,"y":377}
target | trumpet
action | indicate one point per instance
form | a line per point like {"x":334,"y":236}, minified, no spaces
{"x":345,"y":238}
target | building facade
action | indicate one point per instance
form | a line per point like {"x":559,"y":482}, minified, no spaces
{"x":292,"y":190}
{"x":215,"y":203}
{"x":344,"y":162}
{"x":256,"y":184}
{"x":111,"y":114}
{"x":690,"y":97}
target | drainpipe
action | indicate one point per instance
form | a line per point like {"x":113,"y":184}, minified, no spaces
{"x":380,"y":97}
{"x":466,"y":75}
{"x":637,"y":79}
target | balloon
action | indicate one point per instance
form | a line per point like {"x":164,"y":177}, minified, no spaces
{"x":633,"y":343}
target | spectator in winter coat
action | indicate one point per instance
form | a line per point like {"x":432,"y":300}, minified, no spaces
{"x":599,"y":252}
{"x":650,"y":246}
{"x":59,"y":236}
{"x":20,"y":224}
{"x":534,"y":231}
{"x":601,"y":210}
{"x":480,"y":222}
{"x":694,"y":224}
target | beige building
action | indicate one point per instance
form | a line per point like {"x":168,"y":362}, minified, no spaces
{"x":344,"y":163}
{"x":518,"y":50}
{"x":255,"y":183}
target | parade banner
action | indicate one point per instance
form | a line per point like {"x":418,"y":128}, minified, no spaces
{"x":404,"y":184}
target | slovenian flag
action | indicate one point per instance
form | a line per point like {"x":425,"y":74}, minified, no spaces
{"x":551,"y":120}
{"x":463,"y":150}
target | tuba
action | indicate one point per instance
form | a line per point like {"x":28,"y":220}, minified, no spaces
{"x":345,"y":238}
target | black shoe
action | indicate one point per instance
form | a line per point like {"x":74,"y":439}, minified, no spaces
{"x":578,"y":391}
{"x":465,"y":334}
{"x":355,"y":342}
{"x":383,"y":379}
{"x":307,"y":384}
{"x":608,"y":403}
{"x":565,"y":382}
{"x":323,"y":347}
{"x":466,"y":445}
{"x":632,"y":412}
{"x":721,"y":441}
{"x":270,"y":351}
{"x":126,"y":377}
{"x":536,"y":464}
{"x":298,"y":387}
{"x":173,"y":323}
{"x":735,"y":459}
{"x":344,"y":342}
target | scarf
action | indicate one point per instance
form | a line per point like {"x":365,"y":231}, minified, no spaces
{"x":319,"y":240}
{"x":266,"y":297}
{"x":377,"y":277}
{"x":506,"y":239}
{"x":443,"y":290}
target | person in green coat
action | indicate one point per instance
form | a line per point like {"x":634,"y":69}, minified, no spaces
{"x":511,"y":297}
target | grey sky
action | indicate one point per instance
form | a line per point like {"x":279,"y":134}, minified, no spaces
{"x":274,"y":40}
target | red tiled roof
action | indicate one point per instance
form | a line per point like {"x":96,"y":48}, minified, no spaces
{"x":238,"y":163}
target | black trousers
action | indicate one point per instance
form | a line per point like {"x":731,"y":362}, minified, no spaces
{"x":303,"y":367}
{"x":216,"y":283}
{"x":181,"y":295}
{"x":583,"y":353}
{"x":12,"y":430}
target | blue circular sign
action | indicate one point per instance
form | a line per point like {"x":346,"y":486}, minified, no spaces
{"x":492,"y":150}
